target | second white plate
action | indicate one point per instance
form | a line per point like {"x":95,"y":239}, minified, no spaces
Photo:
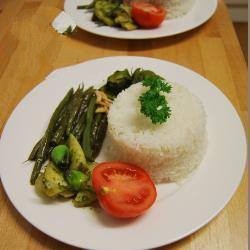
{"x":200,"y":13}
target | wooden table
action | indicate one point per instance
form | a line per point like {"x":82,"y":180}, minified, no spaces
{"x":30,"y":50}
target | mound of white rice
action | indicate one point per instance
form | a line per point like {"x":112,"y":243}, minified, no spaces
{"x":175,"y":8}
{"x":168,"y":152}
{"x":178,"y":8}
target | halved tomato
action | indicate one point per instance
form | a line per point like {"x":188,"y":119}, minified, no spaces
{"x":147,"y":15}
{"x":123,"y":190}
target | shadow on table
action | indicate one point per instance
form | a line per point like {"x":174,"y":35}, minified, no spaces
{"x":128,"y":44}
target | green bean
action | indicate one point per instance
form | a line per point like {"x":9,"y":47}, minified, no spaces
{"x":79,"y":128}
{"x":59,"y":134}
{"x":95,"y":126}
{"x":61,"y":116}
{"x":59,"y":108}
{"x":87,"y":94}
{"x":40,"y":159}
{"x":33,"y":153}
{"x":42,"y":152}
{"x":99,"y":132}
{"x":86,"y":139}
{"x":79,"y":122}
{"x":103,"y":11}
{"x":74,"y":107}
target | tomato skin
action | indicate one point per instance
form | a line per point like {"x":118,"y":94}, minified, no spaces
{"x":147,"y":15}
{"x":123,"y":190}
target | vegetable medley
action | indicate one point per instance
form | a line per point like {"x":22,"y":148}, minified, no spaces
{"x":128,"y":16}
{"x":65,"y":155}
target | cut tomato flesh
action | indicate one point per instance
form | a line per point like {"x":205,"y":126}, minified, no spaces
{"x":147,"y":15}
{"x":123,"y":190}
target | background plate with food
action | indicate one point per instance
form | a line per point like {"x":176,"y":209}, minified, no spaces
{"x":137,"y":19}
{"x":181,"y":207}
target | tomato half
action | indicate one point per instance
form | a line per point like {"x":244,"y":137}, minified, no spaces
{"x":147,"y":15}
{"x":123,"y":190}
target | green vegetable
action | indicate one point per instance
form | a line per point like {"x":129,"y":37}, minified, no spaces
{"x":60,"y":156}
{"x":76,"y":179}
{"x":123,"y":17}
{"x":86,"y":139}
{"x":140,"y":74}
{"x":74,"y":108}
{"x":40,"y":157}
{"x":111,"y":13}
{"x":66,"y":123}
{"x":43,"y":150}
{"x":78,"y":160}
{"x":79,"y":128}
{"x":103,"y":11}
{"x":34,"y":151}
{"x":68,"y":31}
{"x":84,"y":198}
{"x":58,"y":136}
{"x":98,"y":132}
{"x":79,"y":122}
{"x":153,"y":104}
{"x":118,"y":81}
{"x":83,"y":108}
{"x":122,"y":79}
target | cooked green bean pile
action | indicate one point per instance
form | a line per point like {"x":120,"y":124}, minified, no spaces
{"x":111,"y":13}
{"x":75,"y":114}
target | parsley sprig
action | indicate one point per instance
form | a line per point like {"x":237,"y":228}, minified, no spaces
{"x":153,"y":104}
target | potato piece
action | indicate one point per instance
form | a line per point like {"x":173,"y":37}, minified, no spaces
{"x":78,"y":160}
{"x":53,"y":181}
{"x":39,"y":185}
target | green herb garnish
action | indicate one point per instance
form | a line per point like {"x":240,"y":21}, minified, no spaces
{"x":153,"y":104}
{"x":68,"y":31}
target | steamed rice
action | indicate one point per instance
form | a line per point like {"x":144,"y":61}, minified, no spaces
{"x":175,"y":8}
{"x":168,"y":152}
{"x":178,"y":8}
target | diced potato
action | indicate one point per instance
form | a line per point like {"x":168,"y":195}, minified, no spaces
{"x":78,"y":160}
{"x":39,"y":185}
{"x":53,"y":181}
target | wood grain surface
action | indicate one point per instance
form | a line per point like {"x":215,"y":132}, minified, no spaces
{"x":30,"y":49}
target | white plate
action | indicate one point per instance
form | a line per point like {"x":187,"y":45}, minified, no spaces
{"x":178,"y":211}
{"x":200,"y":13}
